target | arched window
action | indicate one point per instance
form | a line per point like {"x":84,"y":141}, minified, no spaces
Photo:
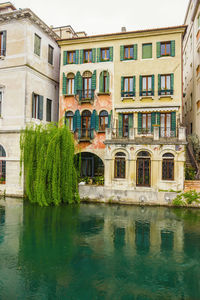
{"x":103,"y":120}
{"x":104,"y":82}
{"x":168,"y":167}
{"x":69,"y":119}
{"x":87,"y":85}
{"x":143,"y":169}
{"x":120,"y":165}
{"x":143,"y":154}
{"x":2,"y":166}
{"x":70,"y":84}
{"x":85,"y":124}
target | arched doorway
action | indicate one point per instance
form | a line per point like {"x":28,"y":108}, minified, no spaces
{"x":91,"y":165}
{"x":143,"y":169}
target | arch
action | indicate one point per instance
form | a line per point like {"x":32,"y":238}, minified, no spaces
{"x":103,"y":120}
{"x":143,"y":149}
{"x":70,"y":75}
{"x":2,"y":151}
{"x":168,"y":155}
{"x":87,"y":74}
{"x":143,"y":154}
{"x":127,"y":154}
{"x":120,"y":154}
{"x":86,"y":113}
{"x":91,"y":164}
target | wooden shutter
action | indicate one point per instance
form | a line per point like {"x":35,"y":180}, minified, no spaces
{"x":173,"y":122}
{"x":101,"y":82}
{"x":4,"y":43}
{"x":152,"y":85}
{"x":111,"y":54}
{"x":64,"y":57}
{"x":75,"y":84}
{"x":139,"y":122}
{"x":130,"y":121}
{"x":33,"y":105}
{"x":135,"y":48}
{"x":79,"y":81}
{"x":134,"y":85}
{"x":172,"y":84}
{"x":158,"y":49}
{"x":140,"y":85}
{"x":78,"y":122}
{"x":122,"y":84}
{"x":64,"y":84}
{"x":153,"y":120}
{"x":40,"y":108}
{"x":74,"y":122}
{"x":98,"y":54}
{"x":94,"y":55}
{"x":109,"y":119}
{"x":147,"y":51}
{"x":81,"y":56}
{"x":97,"y":122}
{"x":172,"y":48}
{"x":121,"y":53}
{"x":108,"y":82}
{"x":94,"y":80}
{"x":120,"y":120}
{"x":158,"y":118}
{"x":159,"y":83}
{"x":93,"y":120}
{"x":77,"y":57}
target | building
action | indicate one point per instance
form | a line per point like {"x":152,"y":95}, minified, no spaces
{"x":191,"y":68}
{"x":29,"y":81}
{"x":121,"y":95}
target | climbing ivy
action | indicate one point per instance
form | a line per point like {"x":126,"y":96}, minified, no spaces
{"x":47,"y":154}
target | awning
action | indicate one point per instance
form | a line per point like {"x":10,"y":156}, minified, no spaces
{"x":147,"y":109}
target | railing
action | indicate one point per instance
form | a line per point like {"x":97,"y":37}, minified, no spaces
{"x":165,"y":92}
{"x":167,"y":132}
{"x":144,"y":131}
{"x":127,"y":93}
{"x":117,"y":133}
{"x":147,"y":93}
{"x":2,"y":52}
{"x":86,"y":134}
{"x":86,"y":94}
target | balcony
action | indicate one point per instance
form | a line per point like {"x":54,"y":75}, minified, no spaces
{"x":85,"y":96}
{"x":84,"y":134}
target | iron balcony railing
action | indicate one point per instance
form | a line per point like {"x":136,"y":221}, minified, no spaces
{"x":87,"y":94}
{"x":147,"y":93}
{"x":85,"y":134}
{"x":127,"y":93}
{"x":165,"y":92}
{"x":168,"y":132}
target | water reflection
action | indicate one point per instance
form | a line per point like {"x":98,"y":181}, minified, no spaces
{"x":100,"y":252}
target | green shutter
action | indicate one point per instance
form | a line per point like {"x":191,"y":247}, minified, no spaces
{"x":158,"y":49}
{"x":78,"y":122}
{"x":81,"y":56}
{"x":139,"y":122}
{"x":140,"y":85}
{"x":159,"y":83}
{"x":94,"y":80}
{"x":111,"y":54}
{"x":173,"y":122}
{"x":75,"y":84}
{"x":135,"y":48}
{"x":94,"y":55}
{"x":97,"y":122}
{"x":98,"y":54}
{"x":152,"y":85}
{"x":93,"y":119}
{"x":122,"y":84}
{"x":172,"y":84}
{"x":74,"y":122}
{"x":108,"y":82}
{"x":64,"y":57}
{"x":4,"y":43}
{"x":121,"y":52}
{"x":33,"y":105}
{"x":101,"y":82}
{"x":130,"y":121}
{"x":172,"y":48}
{"x":134,"y":85}
{"x":158,"y":118}
{"x":79,"y":81}
{"x":77,"y":57}
{"x":146,"y":51}
{"x":109,"y":119}
{"x":64,"y":84}
{"x":120,"y":119}
{"x":153,"y":120}
{"x":40,"y":108}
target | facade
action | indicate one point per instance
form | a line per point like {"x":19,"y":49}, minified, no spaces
{"x":121,"y":96}
{"x":191,"y":68}
{"x":29,"y":81}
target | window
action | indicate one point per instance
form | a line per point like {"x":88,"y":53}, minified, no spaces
{"x":86,"y":124}
{"x":87,"y":56}
{"x":104,"y":82}
{"x":37,"y":44}
{"x":1,"y":103}
{"x":103,"y":120}
{"x":105,"y":54}
{"x":69,"y":119}
{"x":147,"y":86}
{"x":198,"y":21}
{"x":128,"y":90}
{"x":128,"y":52}
{"x":87,"y":85}
{"x":146,"y":123}
{"x":165,"y":87}
{"x":70,"y":84}
{"x":165,"y":49}
{"x":71,"y":57}
{"x":2,"y":166}
{"x":49,"y":110}
{"x":165,"y":125}
{"x":120,"y":165}
{"x":2,"y":43}
{"x":168,"y":167}
{"x":37,"y":106}
{"x":50,"y":55}
{"x":146,"y":51}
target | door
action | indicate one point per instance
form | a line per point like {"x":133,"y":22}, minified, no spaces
{"x":85,"y":124}
{"x":165,"y":125}
{"x":143,"y":171}
{"x":125,"y":125}
{"x":87,"y":86}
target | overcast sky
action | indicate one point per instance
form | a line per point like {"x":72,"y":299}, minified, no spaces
{"x":107,"y":16}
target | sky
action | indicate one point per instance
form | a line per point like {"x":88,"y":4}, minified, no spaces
{"x":107,"y":16}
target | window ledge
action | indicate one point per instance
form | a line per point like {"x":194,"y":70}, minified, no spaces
{"x":128,"y":59}
{"x":119,"y":179}
{"x":102,"y":93}
{"x":146,"y":59}
{"x":165,"y":96}
{"x":165,"y":56}
{"x":167,"y":181}
{"x":2,"y":57}
{"x":51,"y":65}
{"x":69,"y":95}
{"x":126,"y":98}
{"x":149,"y":97}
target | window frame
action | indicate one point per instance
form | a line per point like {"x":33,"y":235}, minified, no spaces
{"x":89,"y":54}
{"x":36,"y":36}
{"x":107,"y":52}
{"x":2,"y":42}
{"x":119,"y":162}
{"x":102,"y":127}
{"x":50,"y":55}
{"x":147,"y":128}
{"x":165,"y":91}
{"x":73,"y":53}
{"x":69,"y":119}
{"x":147,"y":44}
{"x":166,"y":161}
{"x":165,"y":52}
{"x":49,"y":101}
{"x":129,"y":51}
{"x":147,"y":92}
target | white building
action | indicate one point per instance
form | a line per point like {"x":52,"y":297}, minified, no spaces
{"x":29,"y":81}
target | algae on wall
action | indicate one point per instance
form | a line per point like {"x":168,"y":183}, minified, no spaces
{"x":47,"y":152}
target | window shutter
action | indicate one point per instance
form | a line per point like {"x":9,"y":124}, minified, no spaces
{"x":98,"y":54}
{"x":122,"y":84}
{"x":139,"y":122}
{"x":94,"y":55}
{"x":75,"y":84}
{"x":79,"y":81}
{"x":158,"y":49}
{"x":74,"y":121}
{"x":140,"y":85}
{"x":109,"y":119}
{"x":93,"y":120}
{"x":158,"y":118}
{"x":64,"y":84}
{"x":147,"y":51}
{"x":33,"y":105}
{"x":101,"y":82}
{"x":130,"y":121}
{"x":172,"y":84}
{"x":97,"y":122}
{"x":152,"y":85}
{"x":172,"y":48}
{"x":111,"y":54}
{"x":78,"y":122}
{"x":134,"y":85}
{"x":173,"y":122}
{"x":135,"y":47}
{"x":94,"y":80}
{"x":77,"y":57}
{"x":4,"y":43}
{"x":153,"y":120}
{"x":120,"y":118}
{"x":64,"y":57}
{"x":108,"y":82}
{"x":159,"y":83}
{"x":40,"y":108}
{"x":121,"y":52}
{"x":81,"y":56}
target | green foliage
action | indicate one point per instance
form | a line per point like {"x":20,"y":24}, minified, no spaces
{"x":190,"y":173}
{"x":187,"y":198}
{"x":99,"y":180}
{"x":48,"y":156}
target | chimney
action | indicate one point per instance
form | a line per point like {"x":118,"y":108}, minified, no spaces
{"x":123,"y":29}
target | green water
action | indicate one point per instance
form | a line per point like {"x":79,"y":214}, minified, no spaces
{"x":99,"y":252}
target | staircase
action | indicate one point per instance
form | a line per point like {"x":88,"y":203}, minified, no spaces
{"x":189,"y":162}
